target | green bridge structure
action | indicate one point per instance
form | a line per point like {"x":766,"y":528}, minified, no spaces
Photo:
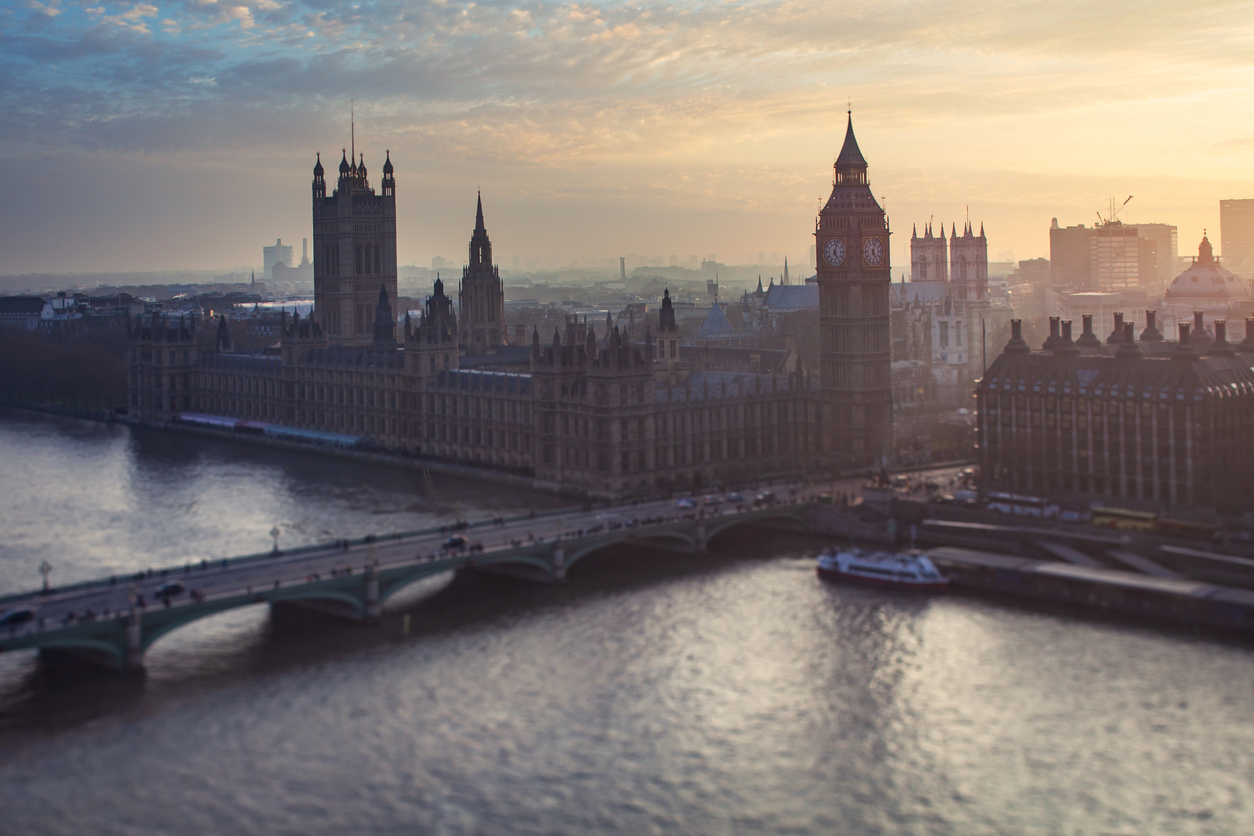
{"x":115,"y":620}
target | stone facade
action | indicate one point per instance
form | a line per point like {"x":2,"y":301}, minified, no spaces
{"x":1131,"y":423}
{"x":606,"y":414}
{"x":853,"y":274}
{"x":354,"y":240}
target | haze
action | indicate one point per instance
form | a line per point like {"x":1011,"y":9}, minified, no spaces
{"x":144,"y":136}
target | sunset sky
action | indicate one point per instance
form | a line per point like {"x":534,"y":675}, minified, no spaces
{"x":151,"y":136}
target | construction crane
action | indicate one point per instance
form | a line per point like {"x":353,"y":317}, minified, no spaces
{"x":1114,"y":213}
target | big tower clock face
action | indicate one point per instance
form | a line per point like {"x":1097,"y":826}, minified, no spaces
{"x":873,"y":251}
{"x":834,"y":252}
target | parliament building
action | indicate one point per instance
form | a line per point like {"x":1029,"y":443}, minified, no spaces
{"x":607,"y":413}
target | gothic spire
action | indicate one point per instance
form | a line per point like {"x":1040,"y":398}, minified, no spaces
{"x":479,"y":214}
{"x":850,"y":154}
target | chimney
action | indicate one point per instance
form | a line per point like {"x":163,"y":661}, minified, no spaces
{"x":1052,"y":340}
{"x":1247,"y":344}
{"x":1088,"y":339}
{"x":1016,"y":344}
{"x":1129,"y":348}
{"x":1220,"y":347}
{"x":1151,"y":332}
{"x":1064,"y":344}
{"x":1198,"y":336}
{"x":1116,"y":336}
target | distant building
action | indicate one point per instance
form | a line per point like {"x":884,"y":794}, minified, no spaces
{"x":1236,"y":234}
{"x":1112,"y":256}
{"x":278,"y":254}
{"x":23,"y":313}
{"x":1205,"y":286}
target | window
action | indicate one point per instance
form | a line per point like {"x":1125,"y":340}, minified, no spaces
{"x":943,"y":329}
{"x":357,"y":268}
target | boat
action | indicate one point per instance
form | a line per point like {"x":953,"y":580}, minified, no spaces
{"x":905,"y":570}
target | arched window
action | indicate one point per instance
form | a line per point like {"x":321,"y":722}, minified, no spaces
{"x":368,"y":270}
{"x":360,"y":314}
{"x":357,"y":269}
{"x":378,"y":259}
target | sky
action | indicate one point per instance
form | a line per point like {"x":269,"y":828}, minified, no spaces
{"x":166,"y":135}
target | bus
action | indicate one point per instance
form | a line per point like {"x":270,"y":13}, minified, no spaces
{"x":1122,"y":518}
{"x":1187,"y":530}
{"x":1022,"y":506}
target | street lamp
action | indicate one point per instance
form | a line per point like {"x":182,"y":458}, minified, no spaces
{"x":274,"y":532}
{"x":45,"y":569}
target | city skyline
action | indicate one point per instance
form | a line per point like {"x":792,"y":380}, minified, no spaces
{"x":186,"y":134}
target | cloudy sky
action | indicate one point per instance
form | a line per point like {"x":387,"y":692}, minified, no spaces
{"x":159,"y":135}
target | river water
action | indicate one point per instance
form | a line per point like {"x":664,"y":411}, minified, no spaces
{"x":652,"y":694}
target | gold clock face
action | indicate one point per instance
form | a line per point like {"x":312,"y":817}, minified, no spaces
{"x":834,"y":252}
{"x":873,"y":251}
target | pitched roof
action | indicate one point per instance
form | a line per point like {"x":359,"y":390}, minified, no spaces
{"x":792,"y":297}
{"x":716,"y":324}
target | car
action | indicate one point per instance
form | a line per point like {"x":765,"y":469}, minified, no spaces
{"x":899,"y":480}
{"x":170,"y":590}
{"x":734,"y":497}
{"x":457,"y":542}
{"x":764,"y":498}
{"x":712,"y":499}
{"x":15,"y":618}
{"x":686,"y":503}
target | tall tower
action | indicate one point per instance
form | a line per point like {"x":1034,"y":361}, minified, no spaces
{"x":354,"y":247}
{"x":928,"y":258}
{"x":481,"y":300}
{"x":851,"y":238}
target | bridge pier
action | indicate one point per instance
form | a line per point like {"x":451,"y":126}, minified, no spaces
{"x":373,"y":609}
{"x":134,"y":656}
{"x":559,"y":561}
{"x":699,"y":546}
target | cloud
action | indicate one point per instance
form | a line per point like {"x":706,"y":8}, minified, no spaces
{"x":745,"y":98}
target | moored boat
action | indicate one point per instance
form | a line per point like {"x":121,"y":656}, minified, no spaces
{"x":905,"y":570}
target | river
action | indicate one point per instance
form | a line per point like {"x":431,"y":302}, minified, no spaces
{"x":653,"y":693}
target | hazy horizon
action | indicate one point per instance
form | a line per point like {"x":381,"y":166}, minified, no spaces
{"x":146,"y":136}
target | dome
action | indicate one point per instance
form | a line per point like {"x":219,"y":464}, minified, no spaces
{"x":1206,"y":279}
{"x":318,"y":167}
{"x":344,"y":166}
{"x":387,"y":164}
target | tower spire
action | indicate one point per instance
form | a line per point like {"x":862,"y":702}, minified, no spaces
{"x":479,"y":213}
{"x":352,"y":130}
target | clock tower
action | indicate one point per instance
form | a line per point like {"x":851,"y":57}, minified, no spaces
{"x":851,"y":246}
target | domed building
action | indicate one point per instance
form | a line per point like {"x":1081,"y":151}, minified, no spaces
{"x":1205,"y":286}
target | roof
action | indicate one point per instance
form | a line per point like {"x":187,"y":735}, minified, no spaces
{"x":909,"y":292}
{"x":716,"y":324}
{"x":792,"y":297}
{"x":21,"y":305}
{"x":850,"y":153}
{"x":1206,"y":279}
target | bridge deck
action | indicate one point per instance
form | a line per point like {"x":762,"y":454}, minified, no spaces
{"x":357,"y":576}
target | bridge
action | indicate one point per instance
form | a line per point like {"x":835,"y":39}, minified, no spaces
{"x":115,"y":620}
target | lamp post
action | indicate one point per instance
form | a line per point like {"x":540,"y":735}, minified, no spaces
{"x":274,"y":532}
{"x":45,"y":569}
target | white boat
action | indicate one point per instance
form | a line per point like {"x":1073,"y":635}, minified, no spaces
{"x":906,"y":570}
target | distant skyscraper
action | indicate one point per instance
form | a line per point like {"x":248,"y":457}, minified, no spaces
{"x":1236,"y":234}
{"x":278,"y":254}
{"x":1069,"y":255}
{"x":855,"y":349}
{"x":1114,"y":257}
